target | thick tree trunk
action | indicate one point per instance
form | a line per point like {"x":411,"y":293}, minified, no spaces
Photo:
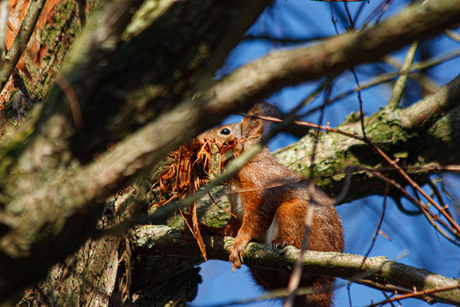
{"x":112,"y":271}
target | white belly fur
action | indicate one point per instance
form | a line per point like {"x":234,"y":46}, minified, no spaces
{"x":236,"y":206}
{"x":272,"y":232}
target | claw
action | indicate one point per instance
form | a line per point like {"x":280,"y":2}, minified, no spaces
{"x":234,"y":267}
{"x":236,"y":264}
{"x":282,"y":242}
{"x":236,"y":258}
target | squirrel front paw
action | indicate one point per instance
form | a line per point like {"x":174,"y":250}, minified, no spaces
{"x":236,"y":257}
{"x":282,"y":241}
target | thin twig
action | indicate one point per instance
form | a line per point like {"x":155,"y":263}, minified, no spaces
{"x":358,"y":13}
{"x":21,"y":40}
{"x":382,"y":8}
{"x":389,"y":76}
{"x":427,"y":83}
{"x":350,"y":303}
{"x":324,"y":85}
{"x":3,"y":25}
{"x":350,"y":19}
{"x":360,"y":100}
{"x":320,"y":122}
{"x":398,"y":88}
{"x":449,"y":195}
{"x":417,"y":187}
{"x":430,"y":216}
{"x":439,"y":196}
{"x":415,"y":293}
{"x":73,"y":101}
{"x":286,"y":40}
{"x":452,"y":35}
{"x":333,"y":20}
{"x":374,"y":238}
{"x":345,"y":186}
{"x":386,"y":295}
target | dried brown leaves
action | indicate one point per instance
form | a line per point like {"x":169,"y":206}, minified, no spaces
{"x":194,"y":165}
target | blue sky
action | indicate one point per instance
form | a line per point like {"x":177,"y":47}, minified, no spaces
{"x":411,"y":236}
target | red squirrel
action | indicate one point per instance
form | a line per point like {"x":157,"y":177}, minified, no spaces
{"x":269,"y":202}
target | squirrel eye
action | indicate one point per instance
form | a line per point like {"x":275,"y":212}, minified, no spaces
{"x":225,"y":131}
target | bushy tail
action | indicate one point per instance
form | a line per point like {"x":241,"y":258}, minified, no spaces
{"x":321,"y":287}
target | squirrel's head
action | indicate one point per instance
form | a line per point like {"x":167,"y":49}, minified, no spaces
{"x":228,"y":141}
{"x":221,"y":134}
{"x":248,"y":131}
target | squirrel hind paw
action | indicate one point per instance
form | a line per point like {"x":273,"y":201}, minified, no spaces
{"x":236,"y":264}
{"x":236,"y":258}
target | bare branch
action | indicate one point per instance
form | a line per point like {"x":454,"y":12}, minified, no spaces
{"x":269,"y":74}
{"x":428,"y":84}
{"x":21,"y":40}
{"x":3,"y":25}
{"x":400,"y":84}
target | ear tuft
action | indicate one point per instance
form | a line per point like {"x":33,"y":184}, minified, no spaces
{"x":254,"y":127}
{"x":264,"y":109}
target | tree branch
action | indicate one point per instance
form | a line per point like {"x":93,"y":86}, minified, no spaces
{"x":400,"y":83}
{"x":261,"y":78}
{"x":3,"y":25}
{"x":397,"y":132}
{"x":375,"y":272}
{"x":21,"y":40}
{"x":423,"y":113}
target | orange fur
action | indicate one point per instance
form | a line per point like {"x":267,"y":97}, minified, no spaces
{"x":270,"y":202}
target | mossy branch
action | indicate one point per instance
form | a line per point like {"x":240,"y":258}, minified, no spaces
{"x":396,"y":131}
{"x":376,"y":272}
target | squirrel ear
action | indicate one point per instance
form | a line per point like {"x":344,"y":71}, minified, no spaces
{"x":264,"y":109}
{"x":253,"y":126}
